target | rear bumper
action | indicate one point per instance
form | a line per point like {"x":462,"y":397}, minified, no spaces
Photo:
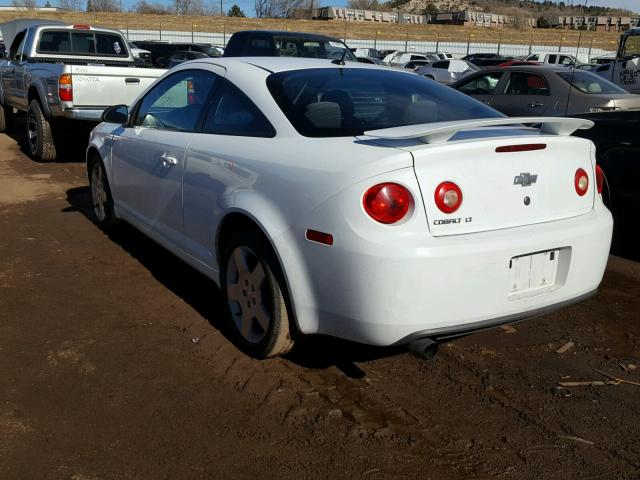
{"x":381,"y":292}
{"x":87,"y":114}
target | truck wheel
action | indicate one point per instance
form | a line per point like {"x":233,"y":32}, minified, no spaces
{"x":39,"y":134}
{"x":5,"y":118}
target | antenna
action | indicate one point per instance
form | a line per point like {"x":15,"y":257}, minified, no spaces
{"x":573,"y":73}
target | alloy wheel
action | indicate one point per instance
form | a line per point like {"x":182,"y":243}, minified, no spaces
{"x":98,"y":192}
{"x":249,"y":294}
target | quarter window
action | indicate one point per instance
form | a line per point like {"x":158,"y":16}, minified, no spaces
{"x":232,"y":113}
{"x":177,"y":102}
{"x":522,"y":83}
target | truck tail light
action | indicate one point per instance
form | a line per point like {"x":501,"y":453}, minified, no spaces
{"x":65,"y":88}
{"x":82,"y":26}
{"x":448,"y":197}
{"x":581,"y":182}
{"x":387,"y":202}
{"x":599,"y":178}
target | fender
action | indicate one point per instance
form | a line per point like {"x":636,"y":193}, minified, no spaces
{"x":41,"y":94}
{"x":281,"y":235}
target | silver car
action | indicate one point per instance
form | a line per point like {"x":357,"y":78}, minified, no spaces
{"x":545,"y":91}
{"x":447,"y":71}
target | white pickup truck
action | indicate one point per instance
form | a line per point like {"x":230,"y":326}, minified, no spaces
{"x":625,"y":69}
{"x":59,"y":73}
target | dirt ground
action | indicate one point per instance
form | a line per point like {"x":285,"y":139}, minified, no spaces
{"x":113,"y":365}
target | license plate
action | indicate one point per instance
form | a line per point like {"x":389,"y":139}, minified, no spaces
{"x":534,"y":272}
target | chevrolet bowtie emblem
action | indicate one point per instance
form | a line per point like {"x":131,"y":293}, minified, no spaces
{"x":525,"y":179}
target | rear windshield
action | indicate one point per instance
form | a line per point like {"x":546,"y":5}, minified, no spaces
{"x":312,"y":48}
{"x":588,"y":82}
{"x":336,"y":102}
{"x":82,"y":43}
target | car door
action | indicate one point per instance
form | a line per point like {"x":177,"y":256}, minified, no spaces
{"x":441,"y":71}
{"x":148,"y":154}
{"x":10,"y":70}
{"x":523,"y":94}
{"x":482,"y":86}
{"x":220,"y":166}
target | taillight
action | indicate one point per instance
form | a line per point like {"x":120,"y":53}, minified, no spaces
{"x":448,"y":197}
{"x":599,"y":178}
{"x":387,"y":202}
{"x":82,"y":26}
{"x":65,"y":88}
{"x":521,"y":148}
{"x":581,"y":181}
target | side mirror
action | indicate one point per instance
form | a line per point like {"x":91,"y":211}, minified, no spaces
{"x":116,"y":114}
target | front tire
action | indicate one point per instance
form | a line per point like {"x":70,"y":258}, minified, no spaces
{"x":255,"y":296}
{"x":101,"y":200}
{"x":40,"y":134}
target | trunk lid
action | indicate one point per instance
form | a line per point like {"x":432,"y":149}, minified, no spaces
{"x":504,"y":189}
{"x":109,"y":85}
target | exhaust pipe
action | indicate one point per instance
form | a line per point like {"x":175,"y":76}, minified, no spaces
{"x":423,"y":348}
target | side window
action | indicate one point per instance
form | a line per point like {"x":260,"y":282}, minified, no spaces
{"x":258,"y":47}
{"x":552,"y":59}
{"x":522,"y":83}
{"x":232,"y":113}
{"x":534,"y":58}
{"x":564,"y":60}
{"x":444,"y":64}
{"x":177,"y":102}
{"x":18,"y":50}
{"x":482,"y":84}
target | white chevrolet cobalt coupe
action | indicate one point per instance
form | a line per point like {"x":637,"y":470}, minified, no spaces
{"x":356,"y":201}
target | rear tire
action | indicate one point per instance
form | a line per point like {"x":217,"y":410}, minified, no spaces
{"x":101,"y":200}
{"x":5,"y":118}
{"x":255,"y":296}
{"x":39,"y":134}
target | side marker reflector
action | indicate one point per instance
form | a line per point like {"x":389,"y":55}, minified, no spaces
{"x":320,"y":237}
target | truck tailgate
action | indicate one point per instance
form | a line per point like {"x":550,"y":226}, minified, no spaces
{"x":100,"y":86}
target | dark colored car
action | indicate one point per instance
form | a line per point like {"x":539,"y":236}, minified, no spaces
{"x":161,"y":51}
{"x":259,"y":43}
{"x":546,"y":91}
{"x":490,"y":62}
{"x":617,"y":142}
{"x":3,"y":50}
{"x":472,"y":57}
{"x":181,"y":57}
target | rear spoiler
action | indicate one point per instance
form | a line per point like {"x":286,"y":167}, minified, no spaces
{"x":441,"y":132}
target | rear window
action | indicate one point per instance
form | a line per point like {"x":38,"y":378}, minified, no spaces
{"x":591,"y":83}
{"x":82,"y":43}
{"x":336,"y":102}
{"x":312,"y":48}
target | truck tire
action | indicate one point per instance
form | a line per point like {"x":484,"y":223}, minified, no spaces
{"x":5,"y":118}
{"x":39,"y":134}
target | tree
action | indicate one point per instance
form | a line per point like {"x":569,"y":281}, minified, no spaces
{"x":77,"y":5}
{"x":143,"y":6}
{"x":430,"y":8}
{"x":102,"y":6}
{"x":542,"y":23}
{"x":24,"y":4}
{"x":235,"y":11}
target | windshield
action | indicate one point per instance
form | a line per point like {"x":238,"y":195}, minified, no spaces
{"x":313,"y":48}
{"x":211,"y":52}
{"x":337,"y":102}
{"x":588,"y":82}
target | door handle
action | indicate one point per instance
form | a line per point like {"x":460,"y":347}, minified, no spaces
{"x":168,"y":160}
{"x":132,"y":80}
{"x":536,"y":104}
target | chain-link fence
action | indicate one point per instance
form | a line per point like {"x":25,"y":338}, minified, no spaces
{"x":458,"y":49}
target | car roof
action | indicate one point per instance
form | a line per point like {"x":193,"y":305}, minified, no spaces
{"x":283,"y":64}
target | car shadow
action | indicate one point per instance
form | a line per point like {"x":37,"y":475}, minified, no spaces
{"x":71,"y":141}
{"x":201,"y":293}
